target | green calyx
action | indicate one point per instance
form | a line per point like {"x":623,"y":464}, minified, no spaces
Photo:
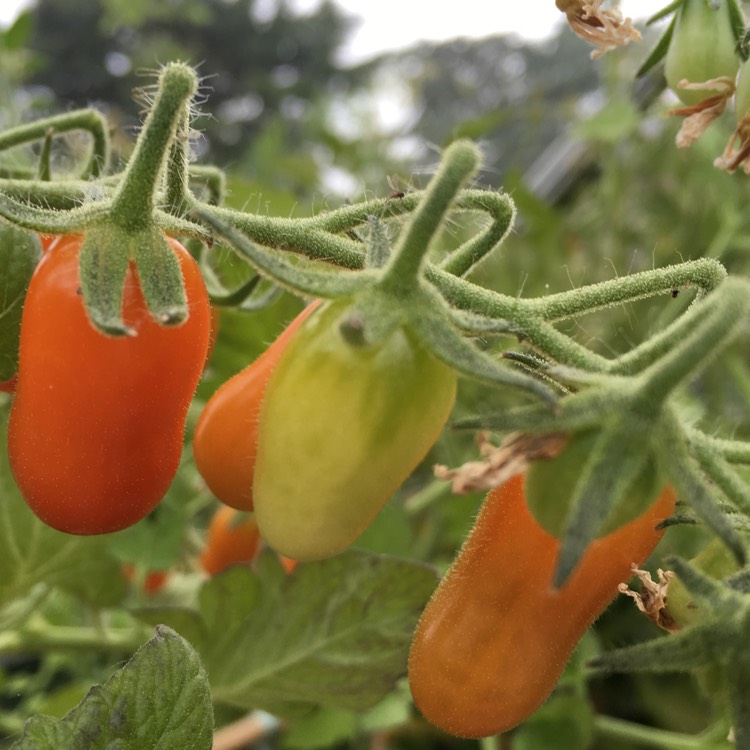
{"x":106,"y":254}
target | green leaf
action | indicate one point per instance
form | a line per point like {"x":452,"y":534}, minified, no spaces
{"x":659,"y":51}
{"x":335,"y":633}
{"x":32,"y":553}
{"x":159,"y":700}
{"x":19,"y":254}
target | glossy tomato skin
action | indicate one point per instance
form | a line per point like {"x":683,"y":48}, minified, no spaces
{"x":233,"y":538}
{"x":226,"y":436}
{"x":97,"y":422}
{"x":341,"y":427}
{"x":495,"y":636}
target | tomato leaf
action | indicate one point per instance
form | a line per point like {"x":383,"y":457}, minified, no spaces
{"x":159,"y":699}
{"x":333,"y":634}
{"x":19,"y":254}
{"x":32,"y":553}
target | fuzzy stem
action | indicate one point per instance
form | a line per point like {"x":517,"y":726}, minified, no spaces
{"x":460,"y":161}
{"x":699,"y":333}
{"x":82,"y":119}
{"x":705,"y":273}
{"x":133,"y":204}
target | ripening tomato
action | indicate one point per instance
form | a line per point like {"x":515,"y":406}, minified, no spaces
{"x":226,"y":437}
{"x":96,"y":427}
{"x":233,"y":538}
{"x":341,"y":427}
{"x":495,"y":636}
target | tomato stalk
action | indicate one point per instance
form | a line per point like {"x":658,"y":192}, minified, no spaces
{"x":129,"y":232}
{"x":88,"y":120}
{"x":402,"y":274}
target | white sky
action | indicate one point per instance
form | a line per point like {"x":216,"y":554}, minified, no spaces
{"x":394,"y":24}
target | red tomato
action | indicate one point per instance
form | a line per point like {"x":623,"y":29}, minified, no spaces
{"x":495,"y":636}
{"x":96,"y":427}
{"x":225,"y":441}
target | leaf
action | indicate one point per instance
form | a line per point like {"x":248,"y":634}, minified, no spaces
{"x":334,"y":634}
{"x":32,"y":553}
{"x":19,"y":254}
{"x":658,"y":53}
{"x":159,"y":700}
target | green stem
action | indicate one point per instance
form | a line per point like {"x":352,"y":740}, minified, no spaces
{"x":465,"y":257}
{"x":732,"y":451}
{"x":176,"y":193}
{"x":617,"y":729}
{"x":705,"y":273}
{"x":459,"y":163}
{"x":89,"y":120}
{"x":701,"y":332}
{"x":133,"y":204}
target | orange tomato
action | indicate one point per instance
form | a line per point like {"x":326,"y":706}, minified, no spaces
{"x":495,"y":636}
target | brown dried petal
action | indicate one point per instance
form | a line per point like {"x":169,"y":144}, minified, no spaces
{"x":501,"y":463}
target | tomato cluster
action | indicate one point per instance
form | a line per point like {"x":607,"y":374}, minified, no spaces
{"x":317,"y":434}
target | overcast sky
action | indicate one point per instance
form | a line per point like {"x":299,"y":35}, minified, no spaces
{"x":394,"y":24}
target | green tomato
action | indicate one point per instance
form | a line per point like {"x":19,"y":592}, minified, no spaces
{"x":702,"y":48}
{"x":742,"y":94}
{"x":716,"y":561}
{"x":550,"y":484}
{"x":341,"y":427}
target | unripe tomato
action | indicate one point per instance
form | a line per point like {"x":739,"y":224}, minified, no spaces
{"x":233,"y":538}
{"x":341,"y":427}
{"x":714,"y":560}
{"x":702,"y":48}
{"x":550,"y":483}
{"x":226,"y":437}
{"x":495,"y":636}
{"x":96,"y":427}
{"x":742,"y":95}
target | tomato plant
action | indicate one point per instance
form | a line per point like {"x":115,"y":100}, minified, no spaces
{"x":96,"y":427}
{"x":226,"y":437}
{"x":341,"y":427}
{"x":495,"y":637}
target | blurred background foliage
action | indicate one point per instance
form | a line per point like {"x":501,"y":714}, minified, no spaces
{"x":588,"y":156}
